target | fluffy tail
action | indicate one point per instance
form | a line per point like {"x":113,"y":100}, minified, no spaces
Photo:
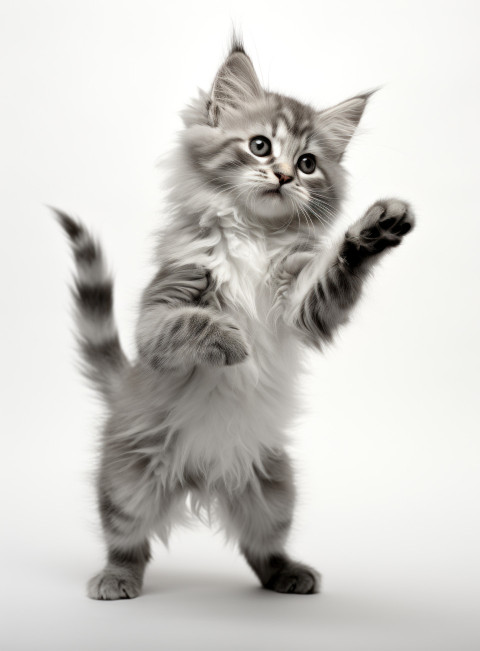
{"x":102,"y":356}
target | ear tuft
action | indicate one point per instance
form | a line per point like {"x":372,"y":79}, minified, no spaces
{"x":339,"y":122}
{"x":236,"y":43}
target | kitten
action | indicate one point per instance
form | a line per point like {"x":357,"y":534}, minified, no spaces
{"x":243,"y":284}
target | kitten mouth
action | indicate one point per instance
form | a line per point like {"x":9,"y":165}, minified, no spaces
{"x":275,"y":191}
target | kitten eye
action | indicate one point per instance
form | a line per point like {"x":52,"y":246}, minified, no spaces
{"x":260,"y":146}
{"x":307,"y":164}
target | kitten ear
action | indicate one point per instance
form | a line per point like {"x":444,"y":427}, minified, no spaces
{"x":236,"y":83}
{"x":339,"y":122}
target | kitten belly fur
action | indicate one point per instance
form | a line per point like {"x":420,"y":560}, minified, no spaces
{"x":230,"y":416}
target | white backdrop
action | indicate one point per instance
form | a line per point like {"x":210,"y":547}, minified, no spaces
{"x":388,"y":447}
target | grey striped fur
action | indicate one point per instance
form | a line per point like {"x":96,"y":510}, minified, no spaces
{"x":244,"y":280}
{"x":101,"y":353}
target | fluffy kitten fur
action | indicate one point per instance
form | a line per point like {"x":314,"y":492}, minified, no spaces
{"x":243,"y":283}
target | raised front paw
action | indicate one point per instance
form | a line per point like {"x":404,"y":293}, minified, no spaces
{"x":383,"y":225}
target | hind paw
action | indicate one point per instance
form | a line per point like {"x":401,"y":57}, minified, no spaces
{"x":111,"y":584}
{"x":295,"y":578}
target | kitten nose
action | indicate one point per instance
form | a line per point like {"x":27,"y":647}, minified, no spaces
{"x":283,"y":178}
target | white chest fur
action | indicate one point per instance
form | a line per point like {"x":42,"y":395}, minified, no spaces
{"x":239,"y":264}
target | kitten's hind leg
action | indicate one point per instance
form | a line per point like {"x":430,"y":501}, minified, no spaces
{"x":128,"y":549}
{"x":261,"y":517}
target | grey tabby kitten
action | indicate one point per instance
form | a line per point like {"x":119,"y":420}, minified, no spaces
{"x":244,"y":282}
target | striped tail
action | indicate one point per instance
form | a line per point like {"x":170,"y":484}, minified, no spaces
{"x":102,"y":356}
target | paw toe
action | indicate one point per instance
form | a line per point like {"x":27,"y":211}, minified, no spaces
{"x":402,"y":228}
{"x":224,"y":345}
{"x":395,"y":208}
{"x":387,"y":223}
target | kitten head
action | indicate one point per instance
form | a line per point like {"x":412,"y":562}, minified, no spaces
{"x":275,"y":159}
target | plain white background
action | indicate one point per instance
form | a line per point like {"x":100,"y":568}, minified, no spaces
{"x":387,"y":447}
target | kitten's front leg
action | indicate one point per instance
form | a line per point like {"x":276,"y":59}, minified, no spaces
{"x":178,"y":328}
{"x":325,"y":290}
{"x":191,"y":336}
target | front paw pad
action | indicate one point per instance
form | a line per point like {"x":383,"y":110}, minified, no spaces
{"x":383,"y":225}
